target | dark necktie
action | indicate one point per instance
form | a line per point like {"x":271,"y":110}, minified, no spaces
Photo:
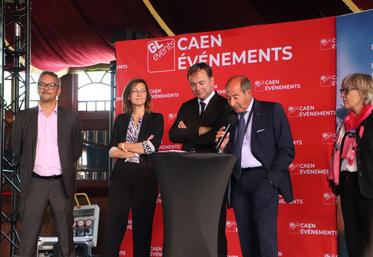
{"x":237,"y":149}
{"x":203,"y":105}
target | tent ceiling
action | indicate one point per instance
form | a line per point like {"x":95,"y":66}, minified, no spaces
{"x":78,"y":33}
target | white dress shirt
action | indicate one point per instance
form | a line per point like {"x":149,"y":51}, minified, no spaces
{"x":248,"y":160}
{"x":206,"y":101}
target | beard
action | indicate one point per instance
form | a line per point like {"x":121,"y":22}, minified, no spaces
{"x":46,"y":97}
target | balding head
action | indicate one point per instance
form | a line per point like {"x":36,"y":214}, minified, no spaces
{"x":238,"y":91}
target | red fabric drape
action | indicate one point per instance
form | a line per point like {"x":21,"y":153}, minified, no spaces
{"x":78,"y":33}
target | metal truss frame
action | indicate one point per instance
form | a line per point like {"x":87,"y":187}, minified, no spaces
{"x":15,"y":34}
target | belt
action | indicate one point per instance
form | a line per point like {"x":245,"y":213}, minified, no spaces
{"x":252,"y":169}
{"x":46,"y":177}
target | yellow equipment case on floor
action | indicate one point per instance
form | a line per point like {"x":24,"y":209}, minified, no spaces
{"x":85,"y":231}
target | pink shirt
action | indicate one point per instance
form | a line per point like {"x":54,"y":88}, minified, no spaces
{"x":47,"y":159}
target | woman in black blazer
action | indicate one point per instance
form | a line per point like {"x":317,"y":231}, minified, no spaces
{"x":136,"y":134}
{"x":352,"y":172}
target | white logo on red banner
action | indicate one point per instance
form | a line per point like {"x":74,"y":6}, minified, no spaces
{"x":307,"y":97}
{"x":294,"y":228}
{"x":306,"y":169}
{"x":274,"y":85}
{"x":221,"y":91}
{"x":231,"y":226}
{"x":297,"y":142}
{"x":188,"y":46}
{"x":294,"y":169}
{"x":293,"y":111}
{"x":301,"y":228}
{"x":307,"y":111}
{"x":156,"y":251}
{"x":129,"y":224}
{"x":157,"y":94}
{"x":122,"y":253}
{"x":122,"y":66}
{"x":328,"y":80}
{"x":259,"y":85}
{"x":159,"y":198}
{"x":329,"y":198}
{"x":172,"y":116}
{"x":297,"y":201}
{"x":169,"y":147}
{"x":327,"y":138}
{"x":327,"y":44}
{"x":161,"y":55}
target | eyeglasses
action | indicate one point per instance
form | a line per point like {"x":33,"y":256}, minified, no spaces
{"x":142,"y":91}
{"x":346,"y":90}
{"x":49,"y":86}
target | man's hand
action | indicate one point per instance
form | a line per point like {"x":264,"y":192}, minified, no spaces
{"x":181,"y":125}
{"x":203,"y":130}
{"x":220,"y":134}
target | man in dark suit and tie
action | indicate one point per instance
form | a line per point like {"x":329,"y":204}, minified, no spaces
{"x":47,"y":140}
{"x":197,"y":123}
{"x":263,"y":143}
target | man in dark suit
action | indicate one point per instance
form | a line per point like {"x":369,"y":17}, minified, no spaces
{"x":197,"y":122}
{"x":263,"y":143}
{"x":47,"y":140}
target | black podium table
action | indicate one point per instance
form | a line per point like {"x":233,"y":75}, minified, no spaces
{"x":192,"y":187}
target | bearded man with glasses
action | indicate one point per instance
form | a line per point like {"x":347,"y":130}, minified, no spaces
{"x":46,"y":143}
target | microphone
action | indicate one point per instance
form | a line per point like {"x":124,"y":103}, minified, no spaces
{"x":230,"y":121}
{"x":223,"y":137}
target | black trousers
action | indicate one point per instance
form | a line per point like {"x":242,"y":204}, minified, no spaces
{"x":358,"y":217}
{"x":44,"y":192}
{"x":132,"y":186}
{"x":255,"y":204}
{"x":222,"y":239}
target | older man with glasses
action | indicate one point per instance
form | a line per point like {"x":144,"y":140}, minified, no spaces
{"x":46,"y":142}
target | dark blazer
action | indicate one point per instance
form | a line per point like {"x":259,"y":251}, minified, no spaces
{"x":214,"y":116}
{"x":152,"y":124}
{"x":70,"y":144}
{"x":364,"y":157}
{"x":272,"y":144}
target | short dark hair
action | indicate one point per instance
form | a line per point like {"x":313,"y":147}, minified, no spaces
{"x":50,"y":73}
{"x":127,"y":105}
{"x":199,"y":66}
{"x":244,"y":82}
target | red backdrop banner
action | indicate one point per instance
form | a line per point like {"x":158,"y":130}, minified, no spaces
{"x":291,"y":63}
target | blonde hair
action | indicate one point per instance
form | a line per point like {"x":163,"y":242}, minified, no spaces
{"x":363,"y":83}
